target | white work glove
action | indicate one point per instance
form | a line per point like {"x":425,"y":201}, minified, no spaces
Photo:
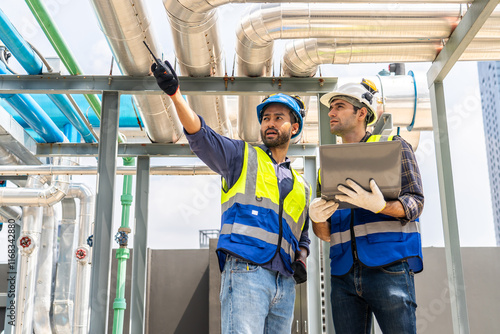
{"x":373,"y":201}
{"x":320,"y":209}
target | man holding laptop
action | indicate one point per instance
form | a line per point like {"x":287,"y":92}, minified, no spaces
{"x":375,"y":248}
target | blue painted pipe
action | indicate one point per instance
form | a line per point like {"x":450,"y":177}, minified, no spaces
{"x":30,"y":61}
{"x":14,"y":41}
{"x":32,"y":114}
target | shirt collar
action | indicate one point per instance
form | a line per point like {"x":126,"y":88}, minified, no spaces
{"x":365,"y":138}
{"x":270,"y":154}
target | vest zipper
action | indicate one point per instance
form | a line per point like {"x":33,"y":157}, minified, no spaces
{"x":353,"y":238}
{"x":280,"y":235}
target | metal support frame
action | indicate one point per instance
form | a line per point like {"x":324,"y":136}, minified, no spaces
{"x":313,"y":260}
{"x":134,"y":150}
{"x":325,"y":138}
{"x":460,"y":39}
{"x":82,"y":84}
{"x":449,"y":212}
{"x":103,"y":223}
{"x":473,"y":20}
{"x":139,"y":261}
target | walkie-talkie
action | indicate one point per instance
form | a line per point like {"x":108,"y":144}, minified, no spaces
{"x":154,"y":57}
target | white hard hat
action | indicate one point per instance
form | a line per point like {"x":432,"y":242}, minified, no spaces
{"x":359,"y":95}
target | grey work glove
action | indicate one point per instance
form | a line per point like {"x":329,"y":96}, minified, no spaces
{"x":320,"y":209}
{"x":165,"y":77}
{"x":373,"y":201}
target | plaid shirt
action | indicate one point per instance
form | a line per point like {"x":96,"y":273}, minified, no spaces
{"x":412,"y":193}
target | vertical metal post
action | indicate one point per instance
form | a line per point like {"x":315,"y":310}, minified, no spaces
{"x":448,"y":211}
{"x":326,"y":137}
{"x":103,"y":223}
{"x":138,"y":298}
{"x":314,"y":260}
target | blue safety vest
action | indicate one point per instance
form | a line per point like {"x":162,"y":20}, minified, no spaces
{"x":251,"y":208}
{"x":379,"y":240}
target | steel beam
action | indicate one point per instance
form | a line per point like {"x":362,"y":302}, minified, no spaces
{"x":101,"y":253}
{"x":460,"y":39}
{"x":139,"y":261}
{"x":15,"y":139}
{"x":458,"y":301}
{"x":80,"y":84}
{"x":134,"y":150}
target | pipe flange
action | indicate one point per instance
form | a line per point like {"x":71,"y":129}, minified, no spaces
{"x":82,"y":254}
{"x":26,"y":243}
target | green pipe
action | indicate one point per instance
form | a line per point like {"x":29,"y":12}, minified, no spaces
{"x":123,"y":253}
{"x":55,"y":37}
{"x":119,"y":305}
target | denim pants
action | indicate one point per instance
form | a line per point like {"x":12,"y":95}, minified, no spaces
{"x":387,"y":292}
{"x":255,"y":300}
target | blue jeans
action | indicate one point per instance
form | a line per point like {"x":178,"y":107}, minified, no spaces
{"x":387,"y":292}
{"x":255,"y":300}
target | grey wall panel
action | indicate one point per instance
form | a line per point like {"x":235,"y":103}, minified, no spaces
{"x":481,"y":271}
{"x":178,"y":298}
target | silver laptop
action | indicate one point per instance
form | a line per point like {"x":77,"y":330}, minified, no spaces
{"x":361,"y":162}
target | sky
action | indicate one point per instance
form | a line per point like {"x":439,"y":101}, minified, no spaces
{"x":180,"y":206}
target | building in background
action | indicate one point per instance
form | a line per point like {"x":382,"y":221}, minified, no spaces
{"x":489,"y":73}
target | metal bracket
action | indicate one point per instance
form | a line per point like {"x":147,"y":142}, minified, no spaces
{"x":383,"y":125}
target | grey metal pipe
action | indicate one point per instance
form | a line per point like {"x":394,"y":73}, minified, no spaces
{"x":126,"y":24}
{"x":198,"y":50}
{"x":36,"y":196}
{"x":84,"y":256}
{"x":268,"y":22}
{"x":28,"y":245}
{"x":11,"y":212}
{"x":92,"y":170}
{"x":44,"y":269}
{"x":62,"y":305}
{"x":386,"y":23}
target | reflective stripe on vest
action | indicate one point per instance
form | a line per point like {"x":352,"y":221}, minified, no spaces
{"x":372,"y":228}
{"x":258,"y":185}
{"x":258,"y":233}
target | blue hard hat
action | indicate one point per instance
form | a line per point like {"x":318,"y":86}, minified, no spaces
{"x":293,"y":102}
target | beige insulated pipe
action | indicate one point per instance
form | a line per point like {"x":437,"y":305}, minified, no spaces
{"x":199,"y":52}
{"x":266,"y":23}
{"x":126,"y":25}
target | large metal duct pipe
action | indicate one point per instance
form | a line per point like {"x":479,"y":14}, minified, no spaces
{"x":198,"y":50}
{"x":62,"y":306}
{"x":28,"y":244}
{"x":265,"y":23}
{"x":268,"y":22}
{"x":302,"y":57}
{"x":83,"y":256}
{"x":126,"y":25}
{"x":35,"y":196}
{"x":44,"y":279}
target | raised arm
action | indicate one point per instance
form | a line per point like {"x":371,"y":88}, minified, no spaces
{"x":169,"y":83}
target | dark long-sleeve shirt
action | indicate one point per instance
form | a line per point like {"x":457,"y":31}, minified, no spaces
{"x":225,"y":157}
